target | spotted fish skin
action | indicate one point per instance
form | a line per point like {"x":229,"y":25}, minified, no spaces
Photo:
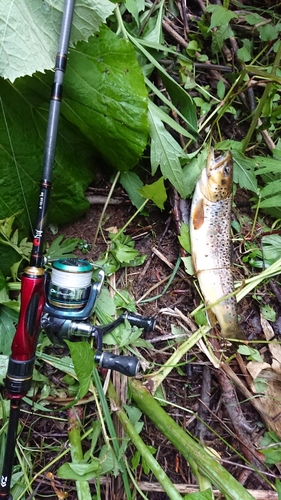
{"x":211,"y":243}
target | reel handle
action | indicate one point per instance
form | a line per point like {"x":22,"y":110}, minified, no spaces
{"x":127,"y":365}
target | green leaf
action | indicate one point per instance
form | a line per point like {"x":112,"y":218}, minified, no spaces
{"x":165,"y":151}
{"x":80,"y":471}
{"x":62,"y":248}
{"x":29,"y":32}
{"x":181,"y":99}
{"x":223,"y":33}
{"x":250,"y":352}
{"x":8,"y":320}
{"x":271,"y":247}
{"x":200,"y":495}
{"x":83,"y":360}
{"x":268,"y":312}
{"x":192,"y":171}
{"x":105,"y":97}
{"x":132,"y":183}
{"x":135,"y":7}
{"x":184,"y":237}
{"x":29,"y":98}
{"x":278,"y":488}
{"x":268,"y":33}
{"x":253,"y":19}
{"x":244,"y":173}
{"x":155,"y":192}
{"x":220,"y":15}
{"x":244,"y":53}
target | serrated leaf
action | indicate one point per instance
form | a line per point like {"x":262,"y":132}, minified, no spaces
{"x":272,"y":202}
{"x":244,"y":173}
{"x":132,"y":183}
{"x":8,"y":320}
{"x":29,"y":32}
{"x":105,"y":97}
{"x":165,"y":152}
{"x":155,"y":192}
{"x":62,"y":248}
{"x":83,"y":361}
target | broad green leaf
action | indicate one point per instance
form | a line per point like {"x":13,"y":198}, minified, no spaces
{"x":132,"y":183}
{"x":272,"y":202}
{"x":266,"y":164}
{"x":220,"y":15}
{"x":29,"y":32}
{"x":268,"y":33}
{"x":271,"y":189}
{"x":244,"y":172}
{"x":254,"y":19}
{"x":8,"y":320}
{"x":155,"y":192}
{"x":271,"y":247}
{"x":79,"y":471}
{"x":26,"y":109}
{"x":165,"y":152}
{"x":83,"y":360}
{"x":105,"y":97}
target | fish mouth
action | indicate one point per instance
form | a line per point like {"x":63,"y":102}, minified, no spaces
{"x":216,"y":163}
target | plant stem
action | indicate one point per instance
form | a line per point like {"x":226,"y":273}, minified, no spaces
{"x":157,"y":470}
{"x":112,"y":433}
{"x":262,"y":101}
{"x":74,"y":436}
{"x":157,"y":378}
{"x":186,"y":445}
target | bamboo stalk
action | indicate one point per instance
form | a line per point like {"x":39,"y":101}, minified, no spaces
{"x":186,"y":489}
{"x":156,"y":469}
{"x":74,"y":435}
{"x":187,"y":446}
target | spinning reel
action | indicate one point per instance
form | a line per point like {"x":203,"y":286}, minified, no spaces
{"x":70,"y":298}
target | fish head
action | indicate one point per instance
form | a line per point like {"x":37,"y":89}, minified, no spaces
{"x":217,"y":177}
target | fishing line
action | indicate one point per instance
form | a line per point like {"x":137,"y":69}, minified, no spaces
{"x":16,"y":164}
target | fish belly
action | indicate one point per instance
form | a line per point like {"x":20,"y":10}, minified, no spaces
{"x":211,"y":255}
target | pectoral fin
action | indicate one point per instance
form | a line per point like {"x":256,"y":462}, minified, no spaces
{"x":198,"y":214}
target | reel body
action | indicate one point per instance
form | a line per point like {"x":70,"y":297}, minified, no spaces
{"x":70,"y":299}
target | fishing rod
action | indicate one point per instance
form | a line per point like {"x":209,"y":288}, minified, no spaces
{"x":21,"y":362}
{"x":61,"y":303}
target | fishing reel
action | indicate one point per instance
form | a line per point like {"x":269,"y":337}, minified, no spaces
{"x":70,"y":298}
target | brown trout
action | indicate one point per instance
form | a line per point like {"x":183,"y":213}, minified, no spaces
{"x":211,"y":244}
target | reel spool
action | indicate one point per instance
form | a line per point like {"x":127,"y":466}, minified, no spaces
{"x":70,"y":284}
